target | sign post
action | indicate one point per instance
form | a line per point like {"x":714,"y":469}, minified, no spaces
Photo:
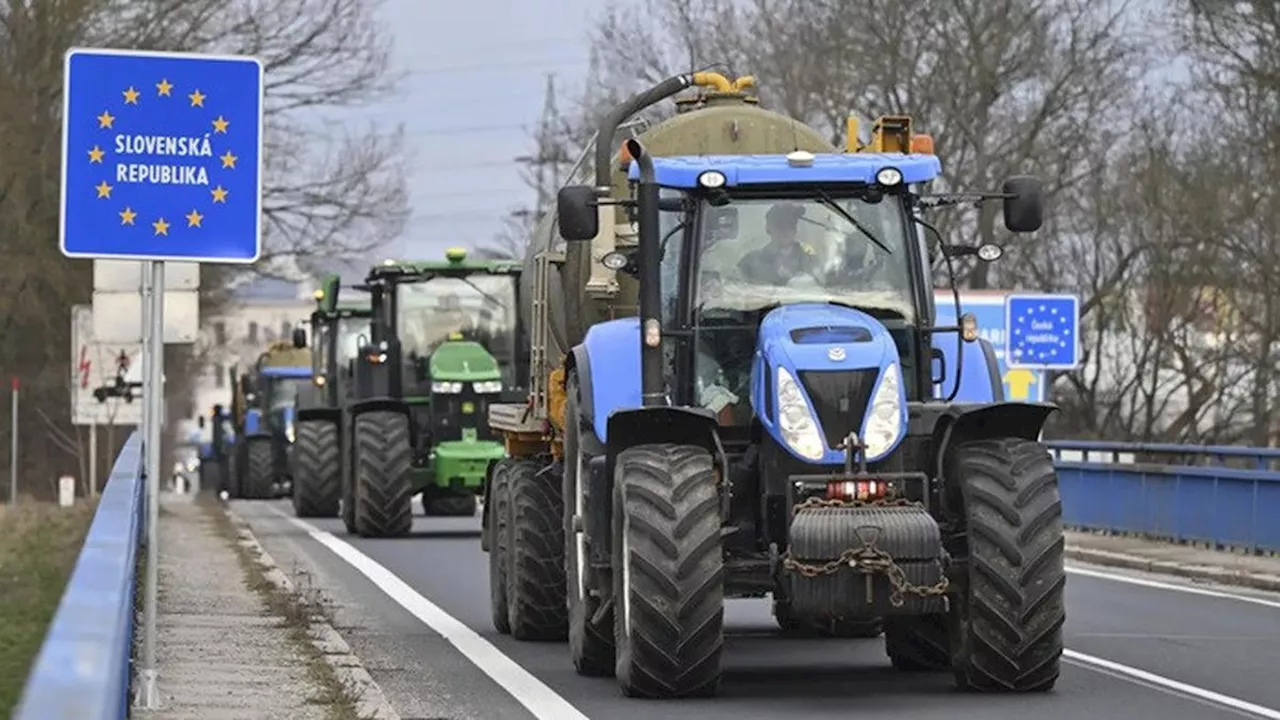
{"x":161,"y":162}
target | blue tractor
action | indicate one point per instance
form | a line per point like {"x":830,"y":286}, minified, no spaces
{"x":785,"y":417}
{"x":263,"y":409}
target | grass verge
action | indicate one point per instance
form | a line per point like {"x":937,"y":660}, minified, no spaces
{"x":39,"y":544}
{"x":297,"y":610}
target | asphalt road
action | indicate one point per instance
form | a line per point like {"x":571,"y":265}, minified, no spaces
{"x":416,"y":611}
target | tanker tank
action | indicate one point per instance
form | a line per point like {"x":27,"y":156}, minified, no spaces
{"x":720,"y":118}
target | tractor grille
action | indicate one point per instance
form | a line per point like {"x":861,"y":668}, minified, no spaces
{"x":448,"y":418}
{"x":840,"y":399}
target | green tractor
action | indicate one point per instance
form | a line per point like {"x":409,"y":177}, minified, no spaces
{"x":443,"y":347}
{"x":262,"y":414}
{"x":316,"y":460}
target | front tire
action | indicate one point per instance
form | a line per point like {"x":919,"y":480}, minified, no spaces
{"x":383,"y":453}
{"x":317,"y":470}
{"x":668,"y":573}
{"x":1010,"y":611}
{"x":258,"y":470}
{"x":535,"y":602}
{"x":590,"y":643}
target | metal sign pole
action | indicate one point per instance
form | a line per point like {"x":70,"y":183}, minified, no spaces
{"x":150,"y":691}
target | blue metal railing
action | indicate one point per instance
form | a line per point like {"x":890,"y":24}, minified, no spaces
{"x":1182,"y":493}
{"x":83,"y":669}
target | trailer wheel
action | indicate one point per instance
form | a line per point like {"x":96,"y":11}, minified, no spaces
{"x":668,"y":573}
{"x":918,"y":643}
{"x":500,"y":549}
{"x":535,"y":601}
{"x":590,"y":643}
{"x":258,"y":469}
{"x":317,"y":470}
{"x":383,"y":452}
{"x":1009,"y":616}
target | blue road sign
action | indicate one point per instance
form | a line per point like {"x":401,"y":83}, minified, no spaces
{"x":161,"y":156}
{"x":1043,"y":331}
{"x":1020,"y":384}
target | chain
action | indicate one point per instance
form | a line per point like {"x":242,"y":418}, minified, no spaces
{"x":867,"y":559}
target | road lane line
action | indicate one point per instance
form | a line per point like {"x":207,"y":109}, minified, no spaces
{"x":1164,"y":683}
{"x":529,"y":691}
{"x":1189,"y":589}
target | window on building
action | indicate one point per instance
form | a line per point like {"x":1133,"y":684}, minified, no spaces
{"x":219,"y":376}
{"x":253,"y":331}
{"x":220,"y":333}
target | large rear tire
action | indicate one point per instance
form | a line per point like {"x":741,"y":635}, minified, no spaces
{"x":590,"y":642}
{"x":1010,"y":609}
{"x":317,"y":470}
{"x":383,"y":500}
{"x":258,"y":470}
{"x":498,"y":510}
{"x":535,"y":601}
{"x":668,"y":573}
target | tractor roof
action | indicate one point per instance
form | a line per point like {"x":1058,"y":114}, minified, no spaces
{"x":744,"y":170}
{"x":455,"y":264}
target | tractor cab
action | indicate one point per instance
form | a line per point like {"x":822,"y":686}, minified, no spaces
{"x":448,"y":332}
{"x":795,"y":296}
{"x":337,"y":329}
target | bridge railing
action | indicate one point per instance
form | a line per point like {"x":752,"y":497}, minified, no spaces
{"x":83,"y":669}
{"x":1223,"y":496}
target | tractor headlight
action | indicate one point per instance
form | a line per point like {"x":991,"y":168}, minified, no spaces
{"x":884,"y":422}
{"x":795,"y":419}
{"x":487,"y":386}
{"x":446,"y":387}
{"x":289,"y":431}
{"x":889,"y":176}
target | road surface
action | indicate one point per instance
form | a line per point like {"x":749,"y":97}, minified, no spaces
{"x":416,"y":611}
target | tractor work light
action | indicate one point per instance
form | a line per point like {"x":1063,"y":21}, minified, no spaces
{"x":889,"y":177}
{"x":487,"y":386}
{"x":614,"y":260}
{"x":711,"y":179}
{"x":320,"y":381}
{"x":446,"y":387}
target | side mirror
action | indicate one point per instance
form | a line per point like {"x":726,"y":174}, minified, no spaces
{"x":299,"y":338}
{"x":576,"y":213}
{"x":1024,"y":211}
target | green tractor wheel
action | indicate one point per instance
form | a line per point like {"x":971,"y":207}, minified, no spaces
{"x":317,"y":471}
{"x":382,"y":458}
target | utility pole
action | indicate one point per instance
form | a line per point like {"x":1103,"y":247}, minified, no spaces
{"x":549,"y":157}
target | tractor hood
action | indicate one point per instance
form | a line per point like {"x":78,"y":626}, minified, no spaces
{"x":463,"y":360}
{"x":822,"y":372}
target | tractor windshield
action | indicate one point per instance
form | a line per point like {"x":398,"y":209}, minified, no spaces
{"x":480,"y":307}
{"x":758,"y":252}
{"x":284,"y":392}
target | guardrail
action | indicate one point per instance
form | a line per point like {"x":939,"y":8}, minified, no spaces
{"x":1224,"y":496}
{"x":84,"y":666}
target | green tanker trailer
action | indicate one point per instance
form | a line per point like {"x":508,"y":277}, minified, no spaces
{"x":566,"y":288}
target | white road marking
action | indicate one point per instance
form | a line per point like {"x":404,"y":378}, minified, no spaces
{"x":529,"y":691}
{"x":1168,"y":684}
{"x":1076,"y":570}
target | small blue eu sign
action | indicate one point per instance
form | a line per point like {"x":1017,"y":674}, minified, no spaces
{"x":1043,"y":332}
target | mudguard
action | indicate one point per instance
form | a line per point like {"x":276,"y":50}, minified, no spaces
{"x":326,"y":414}
{"x":380,"y":404}
{"x":961,"y":423}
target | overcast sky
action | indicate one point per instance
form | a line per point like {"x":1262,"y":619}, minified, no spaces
{"x":476,"y":73}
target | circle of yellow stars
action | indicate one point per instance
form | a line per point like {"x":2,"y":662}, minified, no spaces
{"x":106,"y":121}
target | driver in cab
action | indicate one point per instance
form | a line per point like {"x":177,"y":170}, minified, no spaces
{"x":784,"y":255}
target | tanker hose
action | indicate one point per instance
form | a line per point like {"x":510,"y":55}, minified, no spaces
{"x":629,"y":107}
